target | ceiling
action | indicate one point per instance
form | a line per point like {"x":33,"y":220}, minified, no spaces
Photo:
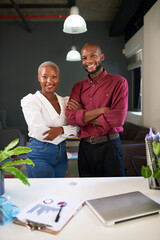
{"x":90,"y":10}
{"x":117,"y":12}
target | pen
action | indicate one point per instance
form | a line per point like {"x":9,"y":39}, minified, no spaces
{"x":58,"y":215}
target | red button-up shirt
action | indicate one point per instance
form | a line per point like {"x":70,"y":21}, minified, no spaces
{"x":106,"y":90}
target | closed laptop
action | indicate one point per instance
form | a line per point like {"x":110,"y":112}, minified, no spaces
{"x":123,"y":207}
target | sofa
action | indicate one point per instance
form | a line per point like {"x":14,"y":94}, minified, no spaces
{"x":133,"y":145}
{"x":8,"y":134}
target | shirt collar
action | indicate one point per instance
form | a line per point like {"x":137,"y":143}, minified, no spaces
{"x":97,"y":79}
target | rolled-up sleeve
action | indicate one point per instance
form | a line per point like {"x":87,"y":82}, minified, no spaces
{"x":70,"y":131}
{"x":115,"y":117}
{"x":32,"y":114}
{"x":75,"y":117}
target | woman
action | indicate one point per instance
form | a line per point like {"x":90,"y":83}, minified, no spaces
{"x":44,"y":113}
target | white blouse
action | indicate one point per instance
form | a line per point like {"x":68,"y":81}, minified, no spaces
{"x":40,"y":115}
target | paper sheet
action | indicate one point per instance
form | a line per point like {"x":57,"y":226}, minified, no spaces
{"x":46,"y":209}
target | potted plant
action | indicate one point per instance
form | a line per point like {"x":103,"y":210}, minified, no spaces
{"x":146,"y":171}
{"x":152,"y":169}
{"x":9,"y":166}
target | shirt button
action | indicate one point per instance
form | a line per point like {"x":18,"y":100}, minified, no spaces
{"x":90,"y":98}
{"x":93,"y":85}
{"x":106,"y":94}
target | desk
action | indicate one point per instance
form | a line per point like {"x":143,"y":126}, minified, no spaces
{"x":85,"y":225}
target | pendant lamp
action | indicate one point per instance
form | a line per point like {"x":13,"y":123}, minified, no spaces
{"x":74,"y":23}
{"x":73,"y":55}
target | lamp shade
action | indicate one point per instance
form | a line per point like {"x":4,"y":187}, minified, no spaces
{"x":74,"y":24}
{"x":73,"y":55}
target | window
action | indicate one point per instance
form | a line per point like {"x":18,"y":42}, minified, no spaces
{"x":134,"y":64}
{"x":136,"y":89}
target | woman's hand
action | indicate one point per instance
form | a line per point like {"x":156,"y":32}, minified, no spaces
{"x":74,"y":105}
{"x":53,"y":133}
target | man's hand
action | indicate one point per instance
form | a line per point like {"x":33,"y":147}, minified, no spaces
{"x":74,"y":105}
{"x":105,"y":109}
{"x":91,"y":115}
{"x":53,"y":133}
{"x":95,"y":122}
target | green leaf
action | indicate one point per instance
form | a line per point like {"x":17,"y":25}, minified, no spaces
{"x":7,"y":153}
{"x":156,"y":148}
{"x":16,"y":151}
{"x":153,"y":160}
{"x":146,"y":171}
{"x":3,"y":156}
{"x":19,"y":150}
{"x":156,"y":173}
{"x":159,"y":162}
{"x":18,"y":174}
{"x":12,"y":144}
{"x":18,"y":162}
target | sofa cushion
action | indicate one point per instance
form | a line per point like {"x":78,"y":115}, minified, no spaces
{"x":3,"y":118}
{"x":133,"y":132}
{"x":133,"y":145}
{"x":141,"y":134}
{"x":1,"y":127}
{"x":130,"y":131}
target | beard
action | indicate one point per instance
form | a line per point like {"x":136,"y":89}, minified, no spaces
{"x":96,"y":70}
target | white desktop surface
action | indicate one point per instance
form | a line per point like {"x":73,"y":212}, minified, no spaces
{"x":85,"y":225}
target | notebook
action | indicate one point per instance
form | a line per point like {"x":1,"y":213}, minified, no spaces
{"x":123,"y":207}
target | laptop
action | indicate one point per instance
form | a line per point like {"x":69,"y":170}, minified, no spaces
{"x":123,"y":207}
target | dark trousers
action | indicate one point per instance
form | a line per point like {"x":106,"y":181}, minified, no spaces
{"x":101,"y":160}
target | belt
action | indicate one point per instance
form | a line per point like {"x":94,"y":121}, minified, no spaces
{"x":105,"y":138}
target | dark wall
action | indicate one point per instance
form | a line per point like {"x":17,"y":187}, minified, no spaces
{"x":22,"y":52}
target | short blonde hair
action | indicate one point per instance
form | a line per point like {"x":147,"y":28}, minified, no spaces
{"x":48,"y":63}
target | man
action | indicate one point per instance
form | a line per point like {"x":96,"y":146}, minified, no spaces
{"x":99,"y":106}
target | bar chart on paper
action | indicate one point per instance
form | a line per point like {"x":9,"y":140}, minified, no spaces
{"x":40,"y":209}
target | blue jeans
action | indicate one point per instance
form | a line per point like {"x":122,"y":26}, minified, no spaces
{"x":50,"y":160}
